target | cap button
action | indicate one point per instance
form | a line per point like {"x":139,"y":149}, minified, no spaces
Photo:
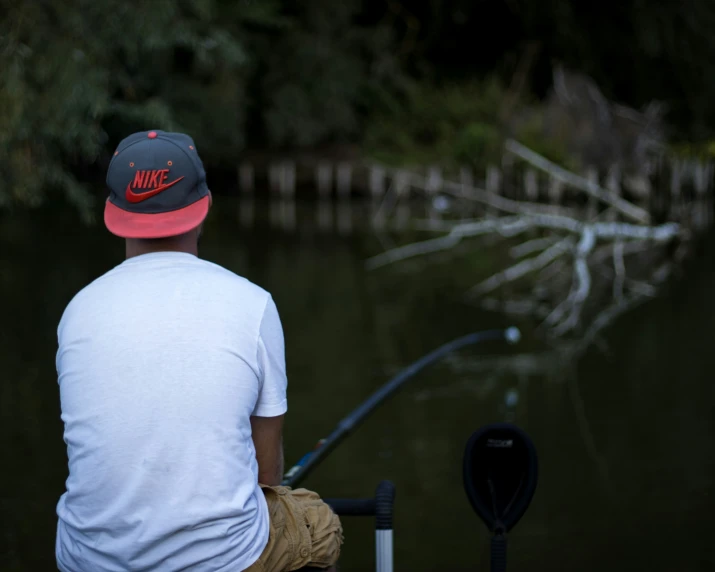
{"x":152,"y":135}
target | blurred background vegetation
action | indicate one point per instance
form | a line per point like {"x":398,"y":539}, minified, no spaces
{"x":399,"y":82}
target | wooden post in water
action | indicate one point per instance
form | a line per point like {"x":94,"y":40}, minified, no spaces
{"x":592,"y":205}
{"x":531,"y":185}
{"x":701,"y":218}
{"x":376,"y":182}
{"x":324,"y":179}
{"x":402,"y":183}
{"x":531,"y":190}
{"x":434,"y":180}
{"x":493,"y":184}
{"x":688,"y":192}
{"x":613,"y":184}
{"x":275,"y":177}
{"x":700,"y":175}
{"x":344,"y":178}
{"x":246,"y":211}
{"x":660,"y":195}
{"x":402,"y":215}
{"x":676,"y":202}
{"x":507,"y":168}
{"x":288,"y":216}
{"x":287,"y":180}
{"x":698,"y":215}
{"x":325,"y":215}
{"x":245,"y":178}
{"x":377,"y":217}
{"x":275,"y":215}
{"x":642,"y":186}
{"x":433,"y":185}
{"x":466,"y":178}
{"x":466,"y":182}
{"x":344,"y":218}
{"x":555,"y":191}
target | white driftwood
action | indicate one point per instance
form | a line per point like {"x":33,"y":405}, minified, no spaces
{"x":582,"y":282}
{"x":606,"y":230}
{"x":570,"y":261}
{"x":607,"y":196}
{"x":507,"y":226}
{"x":488,"y":197}
{"x":531,"y":246}
{"x":511,"y":226}
{"x":522,"y":268}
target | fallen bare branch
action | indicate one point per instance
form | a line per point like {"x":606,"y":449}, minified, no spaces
{"x":634,"y":246}
{"x":553,"y":269}
{"x":522,"y":268}
{"x":597,"y":247}
{"x":507,"y":226}
{"x":641,"y":288}
{"x":604,"y":195}
{"x":582,"y":283}
{"x":531,"y":246}
{"x":502,"y":203}
{"x":476,"y":194}
{"x":413,"y":249}
{"x":607,"y":230}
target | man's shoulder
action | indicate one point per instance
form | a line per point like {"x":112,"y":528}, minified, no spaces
{"x":230,"y":279}
{"x":213,"y":276}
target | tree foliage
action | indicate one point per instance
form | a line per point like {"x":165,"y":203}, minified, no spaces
{"x":77,"y":75}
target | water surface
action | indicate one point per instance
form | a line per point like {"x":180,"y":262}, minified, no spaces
{"x":625,"y":437}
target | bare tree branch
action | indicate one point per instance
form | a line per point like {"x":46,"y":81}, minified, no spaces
{"x":531,"y":246}
{"x":414,"y":249}
{"x":479,"y":195}
{"x":608,"y":230}
{"x":506,"y":225}
{"x":522,"y":268}
{"x":563,"y":288}
{"x":609,"y":197}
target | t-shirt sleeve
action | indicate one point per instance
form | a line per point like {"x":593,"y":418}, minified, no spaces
{"x":272,"y":399}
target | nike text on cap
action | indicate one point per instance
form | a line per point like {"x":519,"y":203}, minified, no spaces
{"x":157,"y":186}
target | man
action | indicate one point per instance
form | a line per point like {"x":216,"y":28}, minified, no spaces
{"x":173,"y":391}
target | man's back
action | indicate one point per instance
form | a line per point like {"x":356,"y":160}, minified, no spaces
{"x":161,"y":363}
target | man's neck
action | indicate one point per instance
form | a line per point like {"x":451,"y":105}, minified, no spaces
{"x":137,"y":247}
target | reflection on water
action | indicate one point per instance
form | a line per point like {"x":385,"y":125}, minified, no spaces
{"x":624,"y":432}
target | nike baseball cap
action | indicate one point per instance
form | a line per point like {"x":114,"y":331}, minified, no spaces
{"x":157,"y":186}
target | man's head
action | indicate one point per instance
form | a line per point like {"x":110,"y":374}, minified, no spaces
{"x":158,"y":194}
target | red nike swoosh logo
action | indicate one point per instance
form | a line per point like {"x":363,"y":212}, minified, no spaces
{"x":133,"y":197}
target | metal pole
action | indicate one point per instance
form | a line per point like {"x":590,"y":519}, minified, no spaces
{"x":384,"y":503}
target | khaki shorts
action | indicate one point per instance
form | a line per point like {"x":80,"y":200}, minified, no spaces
{"x":304,"y":531}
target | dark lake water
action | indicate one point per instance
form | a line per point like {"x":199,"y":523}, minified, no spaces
{"x":626,"y":437}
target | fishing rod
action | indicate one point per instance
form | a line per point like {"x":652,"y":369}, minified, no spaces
{"x":347,"y":425}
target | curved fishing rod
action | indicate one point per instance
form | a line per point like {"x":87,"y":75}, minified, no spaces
{"x":346,"y":426}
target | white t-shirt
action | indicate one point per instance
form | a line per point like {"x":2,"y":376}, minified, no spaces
{"x":161,"y":363}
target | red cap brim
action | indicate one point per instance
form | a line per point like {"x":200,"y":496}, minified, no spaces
{"x":134,"y":225}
